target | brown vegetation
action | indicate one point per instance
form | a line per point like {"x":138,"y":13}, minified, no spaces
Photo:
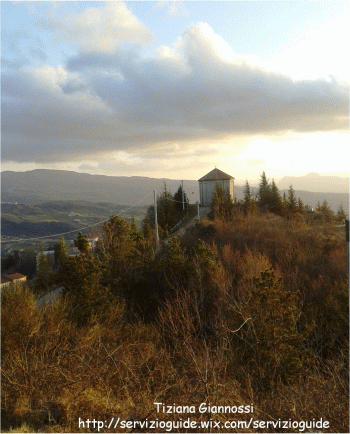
{"x":249,"y":311}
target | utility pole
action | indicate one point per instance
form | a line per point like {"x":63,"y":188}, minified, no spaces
{"x":183,"y":197}
{"x":199,"y":219}
{"x":347,"y":240}
{"x":156,"y":220}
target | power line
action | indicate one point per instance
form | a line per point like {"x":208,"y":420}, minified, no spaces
{"x":75,"y":230}
{"x":178,"y":201}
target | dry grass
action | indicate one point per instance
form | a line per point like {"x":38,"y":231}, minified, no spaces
{"x":54,"y":372}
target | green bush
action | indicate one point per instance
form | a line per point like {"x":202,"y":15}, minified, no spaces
{"x":271,"y":339}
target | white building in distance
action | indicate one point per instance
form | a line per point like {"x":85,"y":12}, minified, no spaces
{"x":208,"y":182}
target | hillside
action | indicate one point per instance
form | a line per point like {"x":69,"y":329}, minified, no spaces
{"x":251,"y":311}
{"x":29,"y":229}
{"x":314,"y":182}
{"x":18,"y":219}
{"x":39,"y":186}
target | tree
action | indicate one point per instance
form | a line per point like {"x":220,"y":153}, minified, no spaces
{"x":284,"y":201}
{"x":157,"y":280}
{"x":274,"y":337}
{"x":248,"y":199}
{"x":82,"y":278}
{"x":43,"y":277}
{"x":146,"y":226}
{"x":222,"y":204}
{"x":174,"y":264}
{"x":275,"y":200}
{"x":207,"y":272}
{"x":61,"y":251}
{"x":301,"y":207}
{"x":10,"y":261}
{"x":326,"y":211}
{"x":166,"y":210}
{"x":341,"y":214}
{"x":292,"y":204}
{"x":179,"y":201}
{"x":169,"y":212}
{"x":264,"y":192}
{"x":118,"y":243}
{"x":27,"y":263}
{"x":82,"y":243}
{"x":125,"y":250}
{"x":133,"y":226}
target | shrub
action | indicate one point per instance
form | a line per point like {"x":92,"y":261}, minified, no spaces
{"x":81,"y":277}
{"x":19,"y":319}
{"x":271,"y":340}
{"x":330,"y":336}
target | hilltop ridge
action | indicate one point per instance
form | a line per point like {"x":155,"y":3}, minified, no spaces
{"x":45,"y":185}
{"x":315,"y":182}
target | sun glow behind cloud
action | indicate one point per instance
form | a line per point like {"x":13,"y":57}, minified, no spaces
{"x":195,"y":103}
{"x":319,"y":52}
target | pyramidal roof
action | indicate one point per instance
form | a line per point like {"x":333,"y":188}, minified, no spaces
{"x":216,"y":175}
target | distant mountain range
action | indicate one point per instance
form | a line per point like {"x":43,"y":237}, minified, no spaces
{"x":43,"y":185}
{"x":316,"y":183}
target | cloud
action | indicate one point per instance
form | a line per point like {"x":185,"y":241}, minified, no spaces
{"x":173,"y":8}
{"x":318,"y":52}
{"x":17,"y":51}
{"x":144,"y":163}
{"x":88,"y":167}
{"x":197,"y":90}
{"x":99,"y":29}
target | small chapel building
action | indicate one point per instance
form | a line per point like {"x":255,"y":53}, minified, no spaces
{"x":208,"y":182}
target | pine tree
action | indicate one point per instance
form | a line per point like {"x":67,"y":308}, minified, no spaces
{"x":61,"y":251}
{"x":248,"y":198}
{"x":43,"y":277}
{"x":166,"y":210}
{"x":275,"y":201}
{"x":301,"y":207}
{"x":222,"y":203}
{"x":10,"y":261}
{"x":146,"y":226}
{"x":178,"y":205}
{"x":82,"y":243}
{"x":341,"y":214}
{"x":284,"y":201}
{"x":133,"y":224}
{"x":326,"y":212}
{"x":175,"y":265}
{"x":264,"y":192}
{"x":125,"y":250}
{"x":82,"y":279}
{"x":292,"y":203}
{"x":274,"y":346}
{"x":271,"y":344}
{"x":136,"y":235}
{"x":117,"y":241}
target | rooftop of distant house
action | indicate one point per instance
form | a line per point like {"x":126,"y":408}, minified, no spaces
{"x":15,"y":276}
{"x":4,"y":280}
{"x":216,"y":175}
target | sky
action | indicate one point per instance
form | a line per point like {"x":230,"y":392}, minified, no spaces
{"x":172,"y":89}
